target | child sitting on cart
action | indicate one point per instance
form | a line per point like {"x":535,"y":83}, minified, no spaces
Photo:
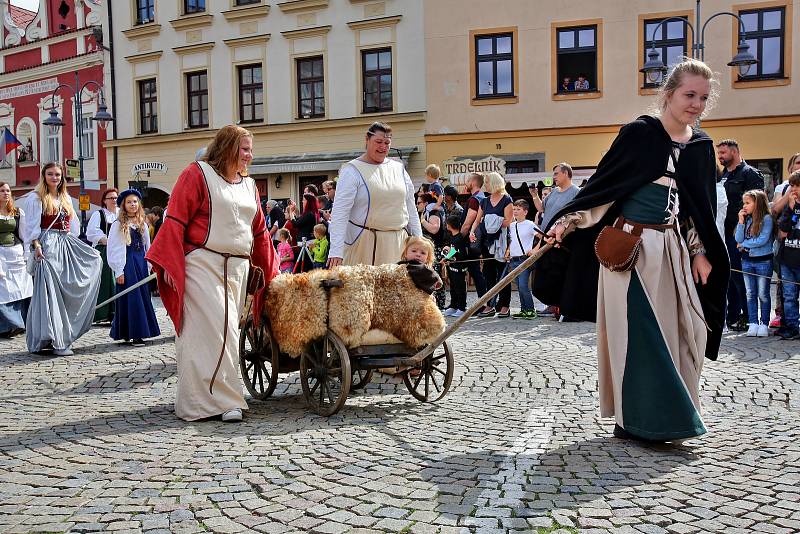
{"x":418,"y":254}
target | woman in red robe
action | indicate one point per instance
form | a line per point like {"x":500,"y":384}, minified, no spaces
{"x":213,"y":231}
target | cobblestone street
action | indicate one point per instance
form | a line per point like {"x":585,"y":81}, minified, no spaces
{"x":91,"y":443}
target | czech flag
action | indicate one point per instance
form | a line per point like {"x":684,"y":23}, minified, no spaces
{"x":8,"y":142}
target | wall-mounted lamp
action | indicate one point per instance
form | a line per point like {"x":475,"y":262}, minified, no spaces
{"x":278,"y":181}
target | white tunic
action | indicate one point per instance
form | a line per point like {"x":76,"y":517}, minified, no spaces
{"x":233,"y":208}
{"x":15,"y":282}
{"x":353,"y":204}
{"x":93,"y":231}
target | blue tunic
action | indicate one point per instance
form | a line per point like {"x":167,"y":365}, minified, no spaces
{"x":134,"y":317}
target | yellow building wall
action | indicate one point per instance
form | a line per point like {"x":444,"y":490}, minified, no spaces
{"x":583,"y":147}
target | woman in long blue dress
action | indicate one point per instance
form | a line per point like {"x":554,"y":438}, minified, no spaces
{"x":128,"y":241}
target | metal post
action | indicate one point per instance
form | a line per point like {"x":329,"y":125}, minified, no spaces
{"x":698,"y":47}
{"x":79,"y":134}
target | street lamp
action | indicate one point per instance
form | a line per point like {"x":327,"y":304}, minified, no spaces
{"x":53,"y":123}
{"x":655,"y":68}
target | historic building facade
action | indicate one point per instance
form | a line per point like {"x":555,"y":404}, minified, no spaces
{"x":307,"y":77}
{"x":38,"y":52}
{"x":528,"y":84}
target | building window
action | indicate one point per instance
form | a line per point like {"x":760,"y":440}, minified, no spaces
{"x":310,"y":88}
{"x":669,"y":40}
{"x":494,"y":65}
{"x":145,"y":11}
{"x":247,"y":2}
{"x":251,"y":94}
{"x":764,"y":32}
{"x":577,"y":59}
{"x":194,"y":6}
{"x":148,"y":106}
{"x":197,"y":93}
{"x":87,"y":137}
{"x":376,"y":68}
{"x":522,"y":166}
{"x":53,"y":153}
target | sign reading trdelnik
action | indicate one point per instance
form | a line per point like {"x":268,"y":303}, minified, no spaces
{"x":25,"y":89}
{"x":464,"y":166}
{"x":149,"y":166}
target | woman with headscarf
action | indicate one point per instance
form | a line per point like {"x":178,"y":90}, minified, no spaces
{"x":374,"y":209}
{"x":213,"y":235}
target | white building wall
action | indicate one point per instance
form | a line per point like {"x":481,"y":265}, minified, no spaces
{"x":339,"y":46}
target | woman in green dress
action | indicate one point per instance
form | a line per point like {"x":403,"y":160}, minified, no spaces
{"x":657,"y":321}
{"x":97,"y":234}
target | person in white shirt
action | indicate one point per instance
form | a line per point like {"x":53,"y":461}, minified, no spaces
{"x":522,"y":236}
{"x":374,"y":209}
{"x":97,"y":233}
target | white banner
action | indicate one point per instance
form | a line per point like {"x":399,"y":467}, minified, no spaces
{"x":31,"y":88}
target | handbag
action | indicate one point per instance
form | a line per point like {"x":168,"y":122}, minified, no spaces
{"x":616,"y":249}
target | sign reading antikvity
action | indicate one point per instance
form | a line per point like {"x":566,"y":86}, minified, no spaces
{"x":25,"y":89}
{"x":149,"y":166}
{"x":463,"y":166}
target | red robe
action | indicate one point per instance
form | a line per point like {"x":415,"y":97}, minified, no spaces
{"x":186,"y":221}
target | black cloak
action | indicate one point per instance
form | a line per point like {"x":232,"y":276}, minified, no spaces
{"x":638,"y":156}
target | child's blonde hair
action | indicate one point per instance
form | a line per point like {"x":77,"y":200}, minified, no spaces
{"x":284,"y":233}
{"x":434,"y":171}
{"x":137,"y":219}
{"x":320,"y":229}
{"x":760,"y":212}
{"x":418,"y":240}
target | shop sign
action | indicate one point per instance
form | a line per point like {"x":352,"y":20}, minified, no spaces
{"x":149,"y":166}
{"x":26,"y":89}
{"x":466,"y":166}
{"x":73,"y":169}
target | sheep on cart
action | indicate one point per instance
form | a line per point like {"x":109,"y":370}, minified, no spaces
{"x":336,"y":327}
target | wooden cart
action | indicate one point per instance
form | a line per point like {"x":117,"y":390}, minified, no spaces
{"x":329,"y":370}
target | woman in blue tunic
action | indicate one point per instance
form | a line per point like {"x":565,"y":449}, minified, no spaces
{"x":128,"y":241}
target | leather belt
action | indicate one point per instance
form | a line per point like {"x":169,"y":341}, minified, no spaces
{"x":375,"y":236}
{"x":226,"y":257}
{"x":644,"y":226}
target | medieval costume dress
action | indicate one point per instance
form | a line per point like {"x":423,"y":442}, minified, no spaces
{"x":654,"y":324}
{"x":211,"y":229}
{"x":134,"y":318}
{"x":99,"y":224}
{"x":16,"y":285}
{"x":65,"y":282}
{"x":370,"y":218}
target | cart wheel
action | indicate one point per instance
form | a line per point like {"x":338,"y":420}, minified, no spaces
{"x":258,"y":358}
{"x":435,"y":377}
{"x":361,"y":377}
{"x":325,"y":374}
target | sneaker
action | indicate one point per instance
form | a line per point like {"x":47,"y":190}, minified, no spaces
{"x":63,"y":352}
{"x":549,"y":311}
{"x":753,"y":330}
{"x":137,"y":343}
{"x":775,"y":322}
{"x":738,"y":326}
{"x":487,"y":312}
{"x":519,"y":315}
{"x":790,"y":333}
{"x":763,"y":330}
{"x":232,"y":416}
{"x":457,"y":313}
{"x":448,"y":312}
{"x":532,"y":314}
{"x":782,"y":330}
{"x":506,"y":313}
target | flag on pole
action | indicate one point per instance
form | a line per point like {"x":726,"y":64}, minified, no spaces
{"x":8,"y":142}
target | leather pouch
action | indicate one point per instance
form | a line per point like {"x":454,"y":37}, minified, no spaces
{"x":255,"y":280}
{"x":616,"y":249}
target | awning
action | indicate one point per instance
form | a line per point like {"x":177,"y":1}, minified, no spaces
{"x":459,"y":181}
{"x":314,"y":161}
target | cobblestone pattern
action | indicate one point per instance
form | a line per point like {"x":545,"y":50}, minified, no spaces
{"x":91,"y":443}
